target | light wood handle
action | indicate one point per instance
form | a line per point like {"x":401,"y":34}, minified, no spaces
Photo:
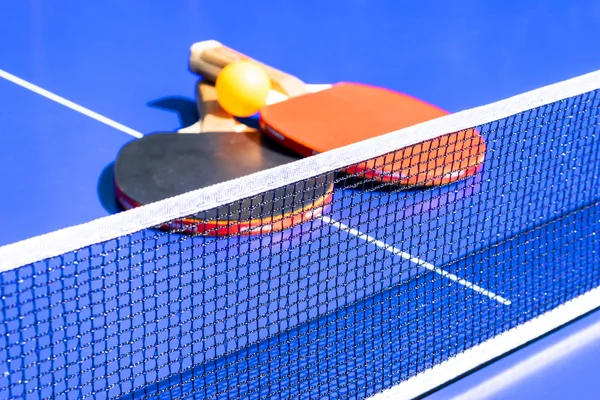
{"x":208,"y":58}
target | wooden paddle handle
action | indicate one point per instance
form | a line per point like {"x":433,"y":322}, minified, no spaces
{"x":209,"y":57}
{"x":212,"y":116}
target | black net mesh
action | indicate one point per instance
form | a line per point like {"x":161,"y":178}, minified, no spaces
{"x":363,"y":290}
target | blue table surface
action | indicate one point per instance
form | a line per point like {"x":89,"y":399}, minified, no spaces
{"x":129,"y":63}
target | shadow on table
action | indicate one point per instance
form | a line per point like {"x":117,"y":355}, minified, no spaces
{"x":188,"y":115}
{"x":184,"y":107}
{"x":106,"y":190}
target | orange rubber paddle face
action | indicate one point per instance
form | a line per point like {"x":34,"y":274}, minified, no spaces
{"x":349,"y":113}
{"x":445,"y":159}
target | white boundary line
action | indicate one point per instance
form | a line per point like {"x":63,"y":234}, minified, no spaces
{"x":492,"y":348}
{"x":567,"y":346}
{"x":113,"y":226}
{"x":415,"y":260}
{"x":68,"y":103}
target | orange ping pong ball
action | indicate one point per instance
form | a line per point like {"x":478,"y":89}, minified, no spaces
{"x":242,"y":88}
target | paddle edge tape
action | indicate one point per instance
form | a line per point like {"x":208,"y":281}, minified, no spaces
{"x":273,"y":223}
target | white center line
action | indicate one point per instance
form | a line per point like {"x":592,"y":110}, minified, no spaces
{"x":85,"y":111}
{"x":418,"y":261}
{"x":67,"y":103}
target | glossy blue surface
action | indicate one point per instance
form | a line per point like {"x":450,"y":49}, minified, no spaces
{"x":128,"y":62}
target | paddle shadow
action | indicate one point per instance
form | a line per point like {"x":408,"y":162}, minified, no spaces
{"x":182,"y":106}
{"x":106,"y":190}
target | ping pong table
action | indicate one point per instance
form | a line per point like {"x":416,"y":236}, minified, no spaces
{"x":79,"y":81}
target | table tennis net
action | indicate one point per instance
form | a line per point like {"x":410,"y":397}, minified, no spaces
{"x":377,"y":286}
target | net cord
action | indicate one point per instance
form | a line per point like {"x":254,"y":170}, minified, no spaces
{"x":107,"y":228}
